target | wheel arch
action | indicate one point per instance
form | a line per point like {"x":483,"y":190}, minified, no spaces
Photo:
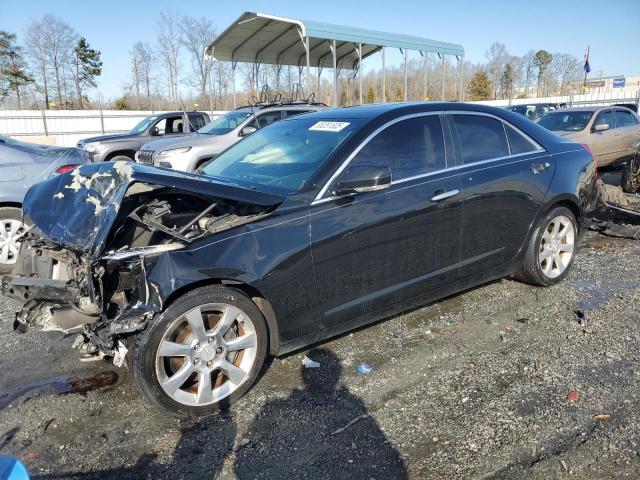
{"x":569,"y":201}
{"x":10,"y":205}
{"x":127,"y":153}
{"x":253,"y":293}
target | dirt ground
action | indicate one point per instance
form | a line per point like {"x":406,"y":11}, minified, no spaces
{"x":502,"y":381}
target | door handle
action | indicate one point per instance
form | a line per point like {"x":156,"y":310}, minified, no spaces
{"x":444,"y":195}
{"x":539,"y":167}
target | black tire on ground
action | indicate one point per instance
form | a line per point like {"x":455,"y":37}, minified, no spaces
{"x":143,"y":349}
{"x":9,"y":213}
{"x":531,"y":271}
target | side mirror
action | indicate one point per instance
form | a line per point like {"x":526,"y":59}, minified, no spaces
{"x":154,"y":131}
{"x":247,"y":131}
{"x":601,"y":127}
{"x":363,"y":178}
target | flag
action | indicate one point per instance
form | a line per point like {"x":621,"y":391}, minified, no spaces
{"x":587,"y":67}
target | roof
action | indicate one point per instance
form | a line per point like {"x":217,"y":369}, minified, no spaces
{"x":263,"y":38}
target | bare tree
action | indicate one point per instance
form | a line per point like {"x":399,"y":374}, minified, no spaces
{"x":566,"y":71}
{"x":36,"y":50}
{"x":197,"y":35}
{"x":528,"y":67}
{"x":58,"y":41}
{"x":496,"y":56}
{"x":169,"y":36}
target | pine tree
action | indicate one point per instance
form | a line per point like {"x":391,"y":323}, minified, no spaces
{"x":479,"y":87}
{"x":506,"y":81}
{"x":87,"y":67}
{"x":371,"y":96}
{"x":13,"y":69}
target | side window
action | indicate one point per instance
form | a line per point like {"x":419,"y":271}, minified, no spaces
{"x":605,"y":118}
{"x":162,"y":126}
{"x":410,"y":147}
{"x":625,"y":119}
{"x":269,"y":118}
{"x":293,"y":113}
{"x":518,"y":142}
{"x":174,"y":125}
{"x":481,"y":137}
{"x":196,"y":121}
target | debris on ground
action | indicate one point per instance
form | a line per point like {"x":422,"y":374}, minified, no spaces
{"x":355,"y":420}
{"x":583,"y":317}
{"x":573,"y":396}
{"x":308,"y":363}
{"x":611,"y":229}
{"x":364,"y":368}
{"x":602,"y":416}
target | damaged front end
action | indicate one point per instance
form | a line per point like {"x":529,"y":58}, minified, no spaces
{"x":83,"y":267}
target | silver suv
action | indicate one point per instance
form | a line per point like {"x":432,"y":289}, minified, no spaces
{"x":123,"y":146}
{"x":190,"y":152}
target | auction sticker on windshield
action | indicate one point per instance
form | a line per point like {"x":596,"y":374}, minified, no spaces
{"x":329,"y":126}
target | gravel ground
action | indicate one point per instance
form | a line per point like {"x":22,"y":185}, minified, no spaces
{"x":502,"y":381}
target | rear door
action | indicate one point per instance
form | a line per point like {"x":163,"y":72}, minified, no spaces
{"x":629,"y":128}
{"x":505,"y":176}
{"x":606,"y":144}
{"x":372,"y":250}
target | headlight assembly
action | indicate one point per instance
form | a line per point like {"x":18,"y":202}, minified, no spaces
{"x":174,"y":151}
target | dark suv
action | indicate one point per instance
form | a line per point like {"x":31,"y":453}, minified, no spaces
{"x":123,"y":146}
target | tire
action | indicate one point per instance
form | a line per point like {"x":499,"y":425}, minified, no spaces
{"x":199,"y":354}
{"x":121,"y":158}
{"x":631,"y":175}
{"x":552,"y":269}
{"x":11,"y":224}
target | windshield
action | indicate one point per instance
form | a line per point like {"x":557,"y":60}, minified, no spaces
{"x":143,"y":125}
{"x":565,"y":121}
{"x":283,"y":156}
{"x":225,"y":123}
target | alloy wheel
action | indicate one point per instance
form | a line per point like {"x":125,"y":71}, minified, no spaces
{"x":206,"y":354}
{"x":10,"y":230}
{"x":556,"y":246}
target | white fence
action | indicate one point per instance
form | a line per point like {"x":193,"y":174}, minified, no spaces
{"x":590,"y":99}
{"x":66,"y":127}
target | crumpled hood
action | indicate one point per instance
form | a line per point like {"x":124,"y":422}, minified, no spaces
{"x":185,"y":141}
{"x":78,"y":208}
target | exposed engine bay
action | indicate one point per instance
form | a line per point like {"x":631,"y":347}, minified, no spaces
{"x":100,"y":289}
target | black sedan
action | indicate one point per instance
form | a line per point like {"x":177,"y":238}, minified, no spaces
{"x":306,"y":229}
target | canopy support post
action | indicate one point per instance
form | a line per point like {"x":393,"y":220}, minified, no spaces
{"x":384,"y":80}
{"x":360,"y":69}
{"x":444,"y":76}
{"x":425,"y":78}
{"x":406,"y":84}
{"x":233,"y":82}
{"x":462,"y":79}
{"x":306,"y":51}
{"x":335,"y":73}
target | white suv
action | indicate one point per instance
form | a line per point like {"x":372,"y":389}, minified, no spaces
{"x":190,"y":152}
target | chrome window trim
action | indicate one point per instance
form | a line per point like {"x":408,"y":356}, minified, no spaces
{"x":320,"y":196}
{"x":368,"y":139}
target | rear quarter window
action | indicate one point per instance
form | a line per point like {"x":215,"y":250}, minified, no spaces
{"x":481,"y":137}
{"x":518,"y":142}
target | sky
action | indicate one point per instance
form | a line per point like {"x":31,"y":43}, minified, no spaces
{"x":610,"y":27}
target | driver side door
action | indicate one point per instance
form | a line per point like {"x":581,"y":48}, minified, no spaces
{"x":375,"y":249}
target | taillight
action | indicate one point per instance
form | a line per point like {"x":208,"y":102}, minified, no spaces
{"x":588,"y":149}
{"x":66,"y":168}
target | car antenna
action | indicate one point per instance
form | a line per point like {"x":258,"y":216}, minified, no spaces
{"x":184,"y":111}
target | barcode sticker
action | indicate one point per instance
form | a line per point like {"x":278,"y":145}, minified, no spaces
{"x":329,"y":126}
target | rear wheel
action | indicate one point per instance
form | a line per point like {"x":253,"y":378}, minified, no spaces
{"x":11,"y":227}
{"x":121,"y":158}
{"x":551,"y":249}
{"x":203,"y":353}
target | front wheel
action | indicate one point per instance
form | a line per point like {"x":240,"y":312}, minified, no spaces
{"x":11,"y":227}
{"x":203,"y":353}
{"x":551,"y":249}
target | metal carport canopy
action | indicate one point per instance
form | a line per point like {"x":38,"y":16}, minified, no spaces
{"x":260,"y":38}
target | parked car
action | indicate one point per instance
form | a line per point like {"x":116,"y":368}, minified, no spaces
{"x":534,"y":110}
{"x":21,"y":165}
{"x":310,"y":227}
{"x":123,"y":146}
{"x":612,"y":133}
{"x":189,"y":153}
